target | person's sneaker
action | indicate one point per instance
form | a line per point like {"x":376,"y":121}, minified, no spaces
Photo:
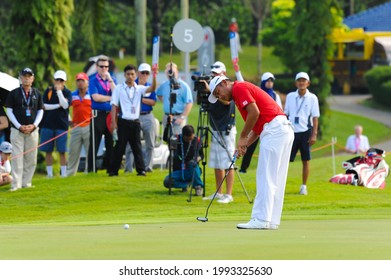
{"x":142,"y":173}
{"x":149,"y":170}
{"x":13,"y":189}
{"x":112,"y":174}
{"x":273,"y":227}
{"x":303,"y":190}
{"x":242,"y":171}
{"x":254,"y":224}
{"x":227,"y":198}
{"x":218,"y":196}
{"x":28,"y":186}
{"x":198,"y":190}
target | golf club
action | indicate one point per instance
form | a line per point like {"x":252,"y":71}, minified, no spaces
{"x":205,"y":219}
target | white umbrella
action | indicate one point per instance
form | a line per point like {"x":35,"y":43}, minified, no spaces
{"x":8,"y":82}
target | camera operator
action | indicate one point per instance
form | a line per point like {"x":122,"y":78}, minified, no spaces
{"x":222,"y":121}
{"x":177,"y":99}
{"x":184,"y":165}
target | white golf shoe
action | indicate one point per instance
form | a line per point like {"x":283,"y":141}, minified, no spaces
{"x":254,"y":224}
{"x":218,"y":196}
{"x":227,"y":198}
{"x":303,"y":190}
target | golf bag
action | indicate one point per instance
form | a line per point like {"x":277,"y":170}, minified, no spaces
{"x":369,"y":171}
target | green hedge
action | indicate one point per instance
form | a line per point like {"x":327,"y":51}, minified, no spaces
{"x":379,"y":83}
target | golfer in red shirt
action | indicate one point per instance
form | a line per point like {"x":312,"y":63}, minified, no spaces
{"x":265,"y":119}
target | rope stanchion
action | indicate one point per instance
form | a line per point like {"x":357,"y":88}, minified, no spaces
{"x":52,"y":139}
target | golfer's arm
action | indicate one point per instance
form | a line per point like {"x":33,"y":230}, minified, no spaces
{"x":252,"y":117}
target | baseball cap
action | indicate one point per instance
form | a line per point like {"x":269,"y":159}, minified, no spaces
{"x":302,"y":75}
{"x":266,"y":76}
{"x":218,"y":67}
{"x":82,"y":76}
{"x":144,"y":67}
{"x":27,"y":71}
{"x":6,"y":147}
{"x":60,"y":75}
{"x":212,"y":85}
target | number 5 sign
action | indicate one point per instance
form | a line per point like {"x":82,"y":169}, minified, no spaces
{"x":188,"y":35}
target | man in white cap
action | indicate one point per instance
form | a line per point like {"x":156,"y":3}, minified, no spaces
{"x":222,"y":148}
{"x":25,"y":116}
{"x":302,"y":109}
{"x":266,"y":120}
{"x":55,"y":122}
{"x":147,"y":121}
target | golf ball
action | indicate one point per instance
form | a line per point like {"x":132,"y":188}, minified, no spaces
{"x":126,"y":226}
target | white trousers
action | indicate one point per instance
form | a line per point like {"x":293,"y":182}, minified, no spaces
{"x":23,"y":165}
{"x":276,"y":142}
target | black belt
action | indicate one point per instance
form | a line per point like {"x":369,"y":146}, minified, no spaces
{"x":145,"y":113}
{"x":174,"y":114}
{"x":125,"y":120}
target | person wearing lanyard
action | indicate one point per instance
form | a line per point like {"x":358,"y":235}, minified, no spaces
{"x":302,"y":109}
{"x":147,"y":121}
{"x":125,"y":114}
{"x":25,"y":111}
{"x":100,"y":87}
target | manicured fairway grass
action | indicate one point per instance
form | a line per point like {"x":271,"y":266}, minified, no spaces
{"x":82,"y":218}
{"x":304,"y":239}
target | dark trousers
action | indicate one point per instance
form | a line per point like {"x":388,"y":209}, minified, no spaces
{"x":100,"y":128}
{"x":128,"y":131}
{"x":248,"y":155}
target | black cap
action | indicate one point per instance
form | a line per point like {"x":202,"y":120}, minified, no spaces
{"x":26,"y":71}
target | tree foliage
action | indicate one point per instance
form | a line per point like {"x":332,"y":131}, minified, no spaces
{"x":299,"y":32}
{"x":42,"y":38}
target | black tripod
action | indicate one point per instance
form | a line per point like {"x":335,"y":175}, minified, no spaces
{"x":202,"y":132}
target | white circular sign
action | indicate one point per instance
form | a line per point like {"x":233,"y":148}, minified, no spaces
{"x":188,"y":35}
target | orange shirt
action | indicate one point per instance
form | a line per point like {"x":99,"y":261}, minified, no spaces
{"x":81,"y":109}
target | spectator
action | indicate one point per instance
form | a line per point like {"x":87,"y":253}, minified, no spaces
{"x":222,"y":149}
{"x":302,"y":109}
{"x":267,"y":83}
{"x":147,"y":121}
{"x":185,"y":162}
{"x":101,"y":86}
{"x":56,"y":99}
{"x":265,"y":119}
{"x":357,"y":143}
{"x":5,"y":165}
{"x":177,"y":99}
{"x":126,"y":99}
{"x":4,"y":124}
{"x":24,"y":110}
{"x":81,"y":118}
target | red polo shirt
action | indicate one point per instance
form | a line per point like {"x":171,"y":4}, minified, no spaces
{"x":244,"y":93}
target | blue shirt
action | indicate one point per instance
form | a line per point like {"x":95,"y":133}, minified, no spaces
{"x":152,"y":95}
{"x":97,"y":87}
{"x":183,"y":97}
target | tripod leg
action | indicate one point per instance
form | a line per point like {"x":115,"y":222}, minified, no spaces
{"x":244,"y":189}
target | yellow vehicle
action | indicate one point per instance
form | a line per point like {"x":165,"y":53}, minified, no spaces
{"x":357,"y":51}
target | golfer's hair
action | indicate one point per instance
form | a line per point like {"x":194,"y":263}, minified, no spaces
{"x":130,"y":67}
{"x":188,"y":130}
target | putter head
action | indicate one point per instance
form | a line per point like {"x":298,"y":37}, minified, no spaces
{"x":202,"y":219}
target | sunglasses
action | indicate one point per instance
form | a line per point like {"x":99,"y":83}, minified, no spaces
{"x":59,"y":80}
{"x":144,"y":72}
{"x":215,"y":66}
{"x":103,"y":66}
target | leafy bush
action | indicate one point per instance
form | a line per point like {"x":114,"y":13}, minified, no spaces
{"x":378,"y":80}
